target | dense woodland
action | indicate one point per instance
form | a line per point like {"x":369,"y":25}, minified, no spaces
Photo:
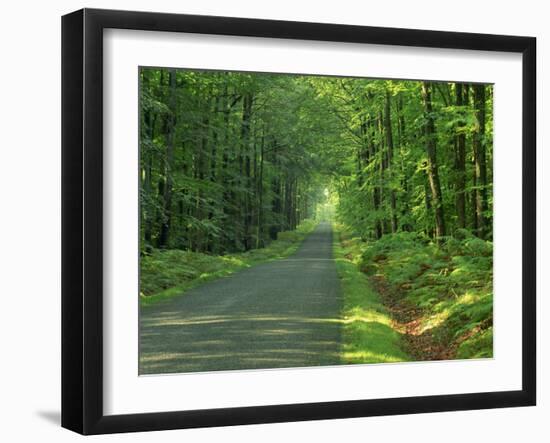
{"x":229,"y":160}
{"x":235,"y":168}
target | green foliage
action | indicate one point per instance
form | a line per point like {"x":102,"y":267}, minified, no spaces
{"x":451,"y":283}
{"x":386,"y":187}
{"x":230,"y":162}
{"x":478,"y":346}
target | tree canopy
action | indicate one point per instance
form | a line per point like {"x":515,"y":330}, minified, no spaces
{"x":229,"y":160}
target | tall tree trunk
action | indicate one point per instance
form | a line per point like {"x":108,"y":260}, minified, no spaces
{"x":383,"y":150}
{"x":260,"y":196}
{"x":211,"y":244}
{"x":480,"y":161}
{"x":148,"y":191}
{"x":460,"y":163}
{"x":433,"y":171}
{"x":363,"y":160}
{"x":228,"y":195}
{"x":471,"y":170}
{"x":288,"y":203}
{"x":473,"y":199}
{"x":214,"y":150}
{"x":375,"y":156}
{"x":245,"y":155}
{"x":146,"y":151}
{"x":360,"y":153}
{"x":168,"y":165}
{"x":202,"y":172}
{"x":277,"y":203}
{"x":406,"y":226}
{"x":428,"y":203}
{"x":295,"y":213}
{"x":389,"y":143}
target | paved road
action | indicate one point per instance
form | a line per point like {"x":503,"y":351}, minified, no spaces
{"x":274,"y":315}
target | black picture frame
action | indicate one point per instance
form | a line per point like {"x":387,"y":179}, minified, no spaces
{"x":82,"y":220}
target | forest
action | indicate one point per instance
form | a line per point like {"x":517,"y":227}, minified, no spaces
{"x":232,"y":163}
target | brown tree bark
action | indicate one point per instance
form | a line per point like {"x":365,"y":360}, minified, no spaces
{"x":432,"y":167}
{"x":389,"y":143}
{"x":373,"y":151}
{"x":460,"y":164}
{"x":149,"y":132}
{"x":406,"y":226}
{"x":164,"y":235}
{"x":245,"y":158}
{"x":480,"y":161}
{"x":260,"y":196}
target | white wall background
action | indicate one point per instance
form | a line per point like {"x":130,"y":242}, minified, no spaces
{"x":30,"y":218}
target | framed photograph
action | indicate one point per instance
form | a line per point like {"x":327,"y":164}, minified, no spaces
{"x":268,"y":221}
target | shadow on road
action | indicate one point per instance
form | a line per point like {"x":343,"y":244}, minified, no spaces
{"x":279,"y":314}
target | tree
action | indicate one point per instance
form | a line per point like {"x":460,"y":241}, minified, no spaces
{"x":165,"y":184}
{"x":432,"y":167}
{"x":460,"y":161}
{"x":229,"y":160}
{"x":481,"y":205}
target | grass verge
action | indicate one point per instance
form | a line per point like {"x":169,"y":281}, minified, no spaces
{"x":168,"y":273}
{"x":368,"y":333}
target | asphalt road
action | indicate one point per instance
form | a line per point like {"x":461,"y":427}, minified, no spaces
{"x":275,"y":315}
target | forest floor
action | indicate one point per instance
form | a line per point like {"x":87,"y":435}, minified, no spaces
{"x":438,"y":299}
{"x":334,"y":299}
{"x":283,"y":313}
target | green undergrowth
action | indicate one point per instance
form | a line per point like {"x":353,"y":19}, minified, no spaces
{"x":368,"y":335}
{"x":171,"y":272}
{"x":450,"y":283}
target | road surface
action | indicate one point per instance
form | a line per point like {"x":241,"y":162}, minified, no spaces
{"x":278,"y":314}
